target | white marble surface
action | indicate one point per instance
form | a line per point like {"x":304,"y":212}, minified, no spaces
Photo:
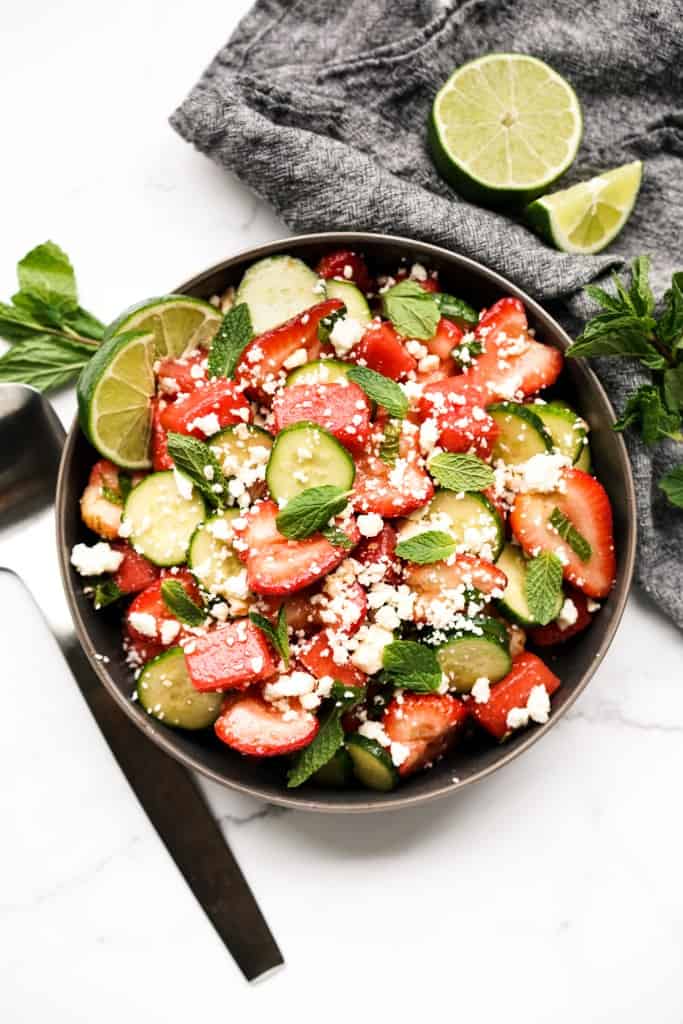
{"x":550,"y":892}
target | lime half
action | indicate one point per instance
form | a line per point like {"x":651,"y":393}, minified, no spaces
{"x":504,"y":127}
{"x":114,"y":394}
{"x":179,"y":323}
{"x":586,"y":217}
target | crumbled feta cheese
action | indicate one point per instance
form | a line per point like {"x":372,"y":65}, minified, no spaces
{"x":481,"y":691}
{"x":517,"y":718}
{"x":183,"y":484}
{"x":295,"y":684}
{"x":143,"y":623}
{"x":169,"y":630}
{"x":370,"y":642}
{"x":569,"y":613}
{"x":297,"y":358}
{"x":592,"y":606}
{"x":345,"y":335}
{"x":416,"y":348}
{"x":538,"y":704}
{"x":209,"y":424}
{"x":93,"y":561}
{"x":418,"y":272}
{"x":125,"y":529}
{"x":429,"y":436}
{"x":370,"y":524}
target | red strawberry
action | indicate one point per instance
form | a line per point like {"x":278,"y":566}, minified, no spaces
{"x":548,"y":636}
{"x":309,"y":612}
{"x":430,"y":581}
{"x":219,"y":402}
{"x":316,"y":655}
{"x":380,"y":550}
{"x":181,"y":376}
{"x":430,"y":284}
{"x":513,"y":692}
{"x":139,"y":651}
{"x":584,"y":502}
{"x":159,"y":440}
{"x":343,"y":409}
{"x":150,"y":603}
{"x":257,"y":529}
{"x":392,"y":490}
{"x":335,"y":264}
{"x":135,"y":572}
{"x":382,"y":349}
{"x":262,"y":360}
{"x":427,"y":723}
{"x":231,"y":657}
{"x":248,"y":724}
{"x":467,"y":428}
{"x":448,"y":336}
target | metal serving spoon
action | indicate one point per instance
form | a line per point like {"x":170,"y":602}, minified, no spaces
{"x":31,"y":441}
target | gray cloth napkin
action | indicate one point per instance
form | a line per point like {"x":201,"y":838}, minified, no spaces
{"x":320,"y":106}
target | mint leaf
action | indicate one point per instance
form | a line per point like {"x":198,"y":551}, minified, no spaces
{"x":310,"y":511}
{"x":230,"y":341}
{"x":180,"y":604}
{"x":277,"y":634}
{"x":391,"y":442}
{"x":17,"y":324}
{"x":673,"y":388}
{"x":194,"y":458}
{"x":412,"y":666}
{"x":603,"y":298}
{"x":640,"y":293}
{"x":85,"y":324}
{"x":670,"y":323}
{"x":568,"y":532}
{"x":337,"y":537}
{"x":456,"y":309}
{"x":645,"y":411}
{"x":46,"y":274}
{"x":460,"y":472}
{"x":327,"y":741}
{"x":543,"y":586}
{"x":106,"y":592}
{"x":414,"y":312}
{"x":672,"y":485}
{"x":43,"y":362}
{"x":380,"y":389}
{"x":109,"y":494}
{"x":428,"y":547}
{"x":619,"y":334}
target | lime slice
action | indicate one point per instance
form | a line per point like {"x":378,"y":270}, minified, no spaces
{"x":586,"y":217}
{"x":504,"y":127}
{"x":113,"y":398}
{"x":179,"y":323}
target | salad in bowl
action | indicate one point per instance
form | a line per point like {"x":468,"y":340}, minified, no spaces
{"x":344,"y":519}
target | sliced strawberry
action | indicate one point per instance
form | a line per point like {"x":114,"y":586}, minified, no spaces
{"x":343,"y":409}
{"x":231,"y":657}
{"x":317,"y":656}
{"x":347,"y":266}
{"x":380,"y":551}
{"x":392,"y":490}
{"x":139,"y":650}
{"x":336,"y":605}
{"x":467,"y":428}
{"x":431,"y":582}
{"x":206,"y":411}
{"x":262,"y":361}
{"x":583,"y":500}
{"x":513,"y":692}
{"x":150,"y":603}
{"x":159,"y":440}
{"x":181,"y":376}
{"x":256,"y":529}
{"x":448,"y":336}
{"x":548,"y":636}
{"x":427,"y":723}
{"x":382,"y":349}
{"x":135,"y":571}
{"x":249,"y":724}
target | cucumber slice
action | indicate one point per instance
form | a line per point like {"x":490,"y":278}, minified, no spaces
{"x":211,"y":557}
{"x":584,"y":460}
{"x":320,"y":371}
{"x":372,"y":765}
{"x":276,"y":289}
{"x":352,"y":297}
{"x":337,"y":773}
{"x":243,"y":451}
{"x":471,"y":519}
{"x":161,"y":521}
{"x":566,"y":428}
{"x":522,"y":433}
{"x":513,"y":602}
{"x":306,"y":455}
{"x":466,"y":657}
{"x":165,"y":692}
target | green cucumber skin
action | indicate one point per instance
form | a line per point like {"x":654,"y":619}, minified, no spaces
{"x":361,"y":750}
{"x":285,"y":436}
{"x":528,"y":417}
{"x":337,"y":773}
{"x":162,"y":714}
{"x":298,"y":376}
{"x":146,"y":484}
{"x":271,"y":275}
{"x":194,"y":560}
{"x":480,"y":499}
{"x":514,"y":614}
{"x":562,"y":411}
{"x":352,"y":297}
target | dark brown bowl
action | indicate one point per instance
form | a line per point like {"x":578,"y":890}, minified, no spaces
{"x":575,"y":662}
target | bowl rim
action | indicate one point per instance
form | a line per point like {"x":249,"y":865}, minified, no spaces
{"x":375,"y":802}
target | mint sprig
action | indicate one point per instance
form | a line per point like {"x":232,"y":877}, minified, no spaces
{"x":543,"y":586}
{"x":230,"y":341}
{"x":628,"y":326}
{"x":568,"y":532}
{"x":195,"y":459}
{"x":391,"y":442}
{"x":380,"y":389}
{"x":329,"y":738}
{"x":425,"y":548}
{"x":106,"y":592}
{"x":180,"y":604}
{"x":412,"y":666}
{"x":277,"y":634}
{"x":457,"y":472}
{"x":456,"y":309}
{"x":310,"y":511}
{"x":414,"y":312}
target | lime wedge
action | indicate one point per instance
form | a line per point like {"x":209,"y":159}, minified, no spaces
{"x":114,"y":394}
{"x":586,"y":217}
{"x":179,"y":323}
{"x":503,"y":128}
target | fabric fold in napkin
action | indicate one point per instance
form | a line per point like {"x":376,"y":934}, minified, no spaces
{"x":321,"y":108}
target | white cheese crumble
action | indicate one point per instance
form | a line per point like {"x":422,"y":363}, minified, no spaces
{"x":183,"y":484}
{"x":143,"y":623}
{"x":93,"y":561}
{"x":568,"y":614}
{"x":418,"y":272}
{"x":209,"y":424}
{"x":376,"y":731}
{"x":592,"y":606}
{"x":481,"y":691}
{"x":370,"y":524}
{"x":297,"y":358}
{"x":537,"y":709}
{"x":345,"y":335}
{"x":169,"y":630}
{"x":369,"y":643}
